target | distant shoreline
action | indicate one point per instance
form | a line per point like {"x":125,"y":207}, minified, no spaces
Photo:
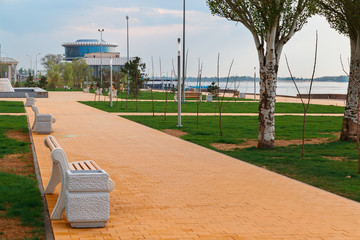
{"x":248,"y":78}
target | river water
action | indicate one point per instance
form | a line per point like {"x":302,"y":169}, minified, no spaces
{"x":284,"y":87}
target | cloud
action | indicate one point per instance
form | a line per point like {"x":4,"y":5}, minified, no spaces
{"x":167,"y":12}
{"x":154,"y":29}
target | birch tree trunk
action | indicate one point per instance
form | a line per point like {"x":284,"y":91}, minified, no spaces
{"x":268,"y":85}
{"x":348,"y":131}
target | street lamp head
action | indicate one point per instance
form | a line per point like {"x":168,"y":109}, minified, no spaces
{"x":127,"y":17}
{"x":100,"y":30}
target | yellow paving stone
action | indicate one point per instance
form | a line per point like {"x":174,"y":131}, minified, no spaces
{"x":167,"y":187}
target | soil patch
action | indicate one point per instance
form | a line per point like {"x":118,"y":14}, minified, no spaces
{"x":175,"y":132}
{"x":11,"y":229}
{"x":278,"y":143}
{"x":339,"y":159}
{"x":18,"y":135}
{"x":20,"y":163}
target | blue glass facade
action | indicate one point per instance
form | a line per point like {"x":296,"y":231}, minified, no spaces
{"x":79,"y":48}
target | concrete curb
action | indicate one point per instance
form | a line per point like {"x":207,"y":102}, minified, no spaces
{"x":49,"y":234}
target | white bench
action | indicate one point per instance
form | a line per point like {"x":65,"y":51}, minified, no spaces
{"x":29,"y":100}
{"x":84,"y":192}
{"x":86,"y":90}
{"x":42,"y":122}
{"x":114,"y":93}
{"x":98,"y":92}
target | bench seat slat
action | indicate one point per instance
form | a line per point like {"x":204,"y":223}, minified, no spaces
{"x":84,"y":165}
{"x":91,"y":165}
{"x":94,"y":165}
{"x":76,"y":166}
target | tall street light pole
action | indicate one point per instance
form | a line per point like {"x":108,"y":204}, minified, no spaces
{"x":36,"y":64}
{"x":179,"y":85}
{"x":127,"y":30}
{"x":183,"y":69}
{"x":111,"y":84}
{"x":101,"y":42}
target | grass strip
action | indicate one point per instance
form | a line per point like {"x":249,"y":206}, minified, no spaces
{"x":11,"y":107}
{"x":210,"y":107}
{"x":330,"y":165}
{"x":19,"y":195}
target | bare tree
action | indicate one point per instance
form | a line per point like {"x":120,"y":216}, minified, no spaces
{"x":198,"y":83}
{"x":305,"y":106}
{"x":152,"y":95}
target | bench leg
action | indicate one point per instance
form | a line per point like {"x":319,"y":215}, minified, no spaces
{"x":54,"y":179}
{"x":33,"y":126}
{"x":60,"y":205}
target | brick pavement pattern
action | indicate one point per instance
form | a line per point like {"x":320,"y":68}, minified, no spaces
{"x":167,"y":188}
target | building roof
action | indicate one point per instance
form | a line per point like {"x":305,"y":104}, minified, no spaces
{"x":89,"y":42}
{"x":7,"y":60}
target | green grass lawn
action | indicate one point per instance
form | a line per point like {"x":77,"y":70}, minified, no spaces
{"x":209,"y":107}
{"x":20,"y":197}
{"x":146,"y":95}
{"x":316,"y":168}
{"x":11,"y":107}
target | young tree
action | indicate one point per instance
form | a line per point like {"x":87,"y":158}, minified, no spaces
{"x":53,"y":75}
{"x":30,"y":81}
{"x":67,"y":73}
{"x":50,"y":59}
{"x":213,"y":89}
{"x":80,"y":71}
{"x":344,"y":16}
{"x":272,"y":23}
{"x":43,"y":82}
{"x":136,"y":72}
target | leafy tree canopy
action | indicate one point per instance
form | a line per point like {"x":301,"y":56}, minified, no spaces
{"x":51,"y":59}
{"x":136,"y":73}
{"x":342,"y":15}
{"x":261,"y":16}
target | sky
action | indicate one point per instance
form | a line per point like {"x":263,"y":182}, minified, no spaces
{"x":30,"y":29}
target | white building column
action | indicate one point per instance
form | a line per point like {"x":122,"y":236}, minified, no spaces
{"x":15,"y":73}
{"x":9,"y":72}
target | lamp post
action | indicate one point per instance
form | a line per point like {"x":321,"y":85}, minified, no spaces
{"x":127,"y":43}
{"x":36,"y":64}
{"x":111,"y":83}
{"x":30,"y":62}
{"x":179,"y":83}
{"x":183,"y":70}
{"x":101,"y":41}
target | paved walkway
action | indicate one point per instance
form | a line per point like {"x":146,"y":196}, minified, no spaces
{"x":167,"y":188}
